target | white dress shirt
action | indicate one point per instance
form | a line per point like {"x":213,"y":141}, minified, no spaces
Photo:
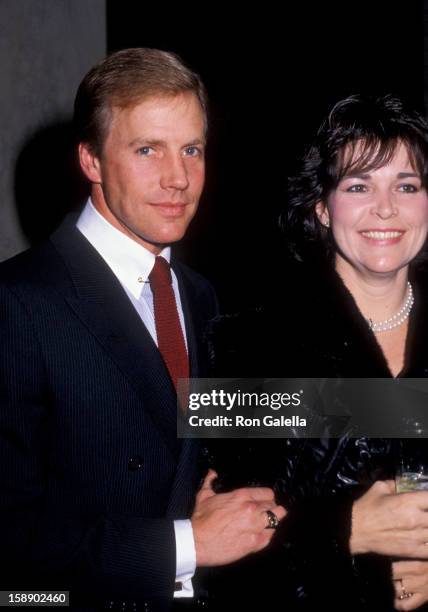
{"x":131,"y":263}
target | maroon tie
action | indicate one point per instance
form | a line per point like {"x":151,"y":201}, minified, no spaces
{"x":168,"y":329}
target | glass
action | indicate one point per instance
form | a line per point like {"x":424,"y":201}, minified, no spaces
{"x":412,"y":465}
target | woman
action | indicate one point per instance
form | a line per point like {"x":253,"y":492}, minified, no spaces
{"x":354,"y":306}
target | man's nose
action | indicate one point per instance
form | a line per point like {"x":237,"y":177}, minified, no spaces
{"x":174,"y":173}
{"x":384,"y":206}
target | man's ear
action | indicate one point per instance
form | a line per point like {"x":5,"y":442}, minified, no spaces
{"x":89,"y":163}
{"x":322,"y":214}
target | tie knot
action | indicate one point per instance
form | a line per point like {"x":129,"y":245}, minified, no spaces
{"x":160,"y":276}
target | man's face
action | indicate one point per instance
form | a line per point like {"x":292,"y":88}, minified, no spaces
{"x":149,"y":177}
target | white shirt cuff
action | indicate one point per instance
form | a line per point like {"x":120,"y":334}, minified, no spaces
{"x":185,"y":557}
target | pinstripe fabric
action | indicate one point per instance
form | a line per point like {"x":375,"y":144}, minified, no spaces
{"x":83,"y":390}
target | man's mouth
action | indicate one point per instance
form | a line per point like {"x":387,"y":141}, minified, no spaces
{"x":170,"y":209}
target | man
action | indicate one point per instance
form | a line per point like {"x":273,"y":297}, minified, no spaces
{"x":96,"y":329}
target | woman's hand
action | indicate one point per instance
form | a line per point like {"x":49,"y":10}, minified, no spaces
{"x":410,"y":583}
{"x":390,"y":524}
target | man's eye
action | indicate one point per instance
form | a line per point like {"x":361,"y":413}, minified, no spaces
{"x":357,"y":188}
{"x":145,"y":151}
{"x":407,"y":188}
{"x":192,"y":151}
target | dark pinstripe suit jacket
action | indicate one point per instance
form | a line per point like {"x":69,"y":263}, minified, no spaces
{"x":91,"y":472}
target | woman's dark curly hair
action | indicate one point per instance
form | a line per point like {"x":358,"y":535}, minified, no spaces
{"x":361,"y":134}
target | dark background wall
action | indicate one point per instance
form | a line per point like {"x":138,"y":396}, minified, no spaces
{"x":271,"y":77}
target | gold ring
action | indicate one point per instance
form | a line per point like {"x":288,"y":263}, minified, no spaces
{"x":273,"y":521}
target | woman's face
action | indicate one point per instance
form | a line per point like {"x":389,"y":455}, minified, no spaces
{"x":379,"y":218}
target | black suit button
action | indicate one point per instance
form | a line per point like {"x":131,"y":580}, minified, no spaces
{"x":135,"y":463}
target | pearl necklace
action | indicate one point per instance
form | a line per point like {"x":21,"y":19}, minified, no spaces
{"x":397,"y":319}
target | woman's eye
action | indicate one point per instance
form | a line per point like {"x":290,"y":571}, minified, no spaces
{"x":408,"y":188}
{"x":359,"y":188}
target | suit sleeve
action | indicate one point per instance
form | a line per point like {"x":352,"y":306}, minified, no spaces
{"x":101,"y":556}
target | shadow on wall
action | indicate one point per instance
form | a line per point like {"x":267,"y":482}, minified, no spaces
{"x":48,"y":182}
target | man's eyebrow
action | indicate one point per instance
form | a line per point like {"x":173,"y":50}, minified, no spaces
{"x":150,"y":142}
{"x":147,"y":142}
{"x":197,"y":141}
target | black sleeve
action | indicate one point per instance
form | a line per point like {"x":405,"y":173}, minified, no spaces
{"x":318,"y":565}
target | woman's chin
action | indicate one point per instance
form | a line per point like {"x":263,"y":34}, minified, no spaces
{"x":375,"y":266}
{"x":384,"y":268}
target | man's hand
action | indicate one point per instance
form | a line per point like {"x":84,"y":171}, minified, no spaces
{"x":410,"y":577}
{"x":229,"y":526}
{"x":390,"y":524}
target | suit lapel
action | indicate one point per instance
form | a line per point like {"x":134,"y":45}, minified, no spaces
{"x":98,"y":299}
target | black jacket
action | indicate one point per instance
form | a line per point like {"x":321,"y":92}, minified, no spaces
{"x":92,"y":473}
{"x":313,"y":329}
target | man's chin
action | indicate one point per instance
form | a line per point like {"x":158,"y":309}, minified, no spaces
{"x":157,"y":244}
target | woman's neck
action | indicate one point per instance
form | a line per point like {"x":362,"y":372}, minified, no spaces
{"x":378,"y":297}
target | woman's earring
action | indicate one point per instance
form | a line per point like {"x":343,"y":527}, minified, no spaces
{"x":327,"y":223}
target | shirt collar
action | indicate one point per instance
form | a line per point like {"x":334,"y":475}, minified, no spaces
{"x":130,"y":261}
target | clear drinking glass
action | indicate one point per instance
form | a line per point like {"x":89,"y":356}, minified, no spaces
{"x":412,"y":465}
